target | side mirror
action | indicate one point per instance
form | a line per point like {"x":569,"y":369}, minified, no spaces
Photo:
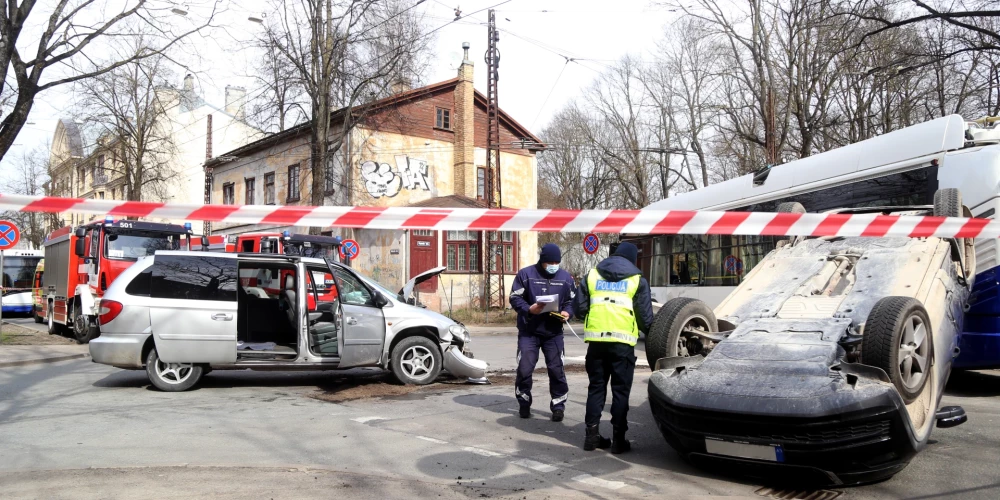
{"x":80,"y":232}
{"x":380,"y":300}
{"x":80,"y":248}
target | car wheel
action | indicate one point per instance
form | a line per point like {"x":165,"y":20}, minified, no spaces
{"x":82,"y":328}
{"x":416,"y":361}
{"x":791,"y":207}
{"x":666,"y":336}
{"x":947,"y":203}
{"x":171,"y":377}
{"x":898,"y":339}
{"x":38,"y":319}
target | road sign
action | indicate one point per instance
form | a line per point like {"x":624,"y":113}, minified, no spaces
{"x":349,"y":249}
{"x":9,"y":235}
{"x":733,"y":265}
{"x":591,"y":243}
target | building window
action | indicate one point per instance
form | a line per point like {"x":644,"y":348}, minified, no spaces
{"x":293,"y":182}
{"x":100,"y":177}
{"x":82,"y":177}
{"x":481,"y":183}
{"x":227,"y":193}
{"x":249,"y":190}
{"x":100,"y":195}
{"x":443,"y":120}
{"x":462,"y":251}
{"x":504,"y":246}
{"x":269,"y":189}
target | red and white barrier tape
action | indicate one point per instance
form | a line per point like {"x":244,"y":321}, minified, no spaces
{"x":560,"y":221}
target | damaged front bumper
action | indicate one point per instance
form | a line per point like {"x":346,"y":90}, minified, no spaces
{"x":461,"y":365}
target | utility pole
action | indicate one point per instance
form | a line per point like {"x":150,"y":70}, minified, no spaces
{"x":493,"y":273}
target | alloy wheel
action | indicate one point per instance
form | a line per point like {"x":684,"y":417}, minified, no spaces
{"x":417,"y":362}
{"x":913,"y":352}
{"x":173,"y":373}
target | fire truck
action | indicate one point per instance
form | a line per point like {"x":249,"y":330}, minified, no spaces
{"x":81,"y":263}
{"x":288,"y":244}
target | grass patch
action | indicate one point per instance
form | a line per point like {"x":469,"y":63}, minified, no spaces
{"x":19,"y":335}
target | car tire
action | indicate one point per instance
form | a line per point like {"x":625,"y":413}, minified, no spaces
{"x":171,"y":377}
{"x":898,"y":339}
{"x":948,"y":203}
{"x":416,"y":361}
{"x":38,"y":319}
{"x":664,"y":339}
{"x":791,"y":207}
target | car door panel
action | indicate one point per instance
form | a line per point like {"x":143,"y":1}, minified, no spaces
{"x":363,"y":323}
{"x":194,"y":311}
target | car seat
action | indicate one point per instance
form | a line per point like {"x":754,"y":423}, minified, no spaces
{"x":289,"y":298}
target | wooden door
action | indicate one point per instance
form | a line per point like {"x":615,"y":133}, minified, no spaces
{"x":423,"y":256}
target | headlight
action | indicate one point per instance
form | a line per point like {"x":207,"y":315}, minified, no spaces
{"x":459,"y":332}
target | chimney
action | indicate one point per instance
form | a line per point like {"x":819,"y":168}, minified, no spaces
{"x":463,"y":123}
{"x":236,"y":101}
{"x":189,"y":82}
{"x":400,"y":84}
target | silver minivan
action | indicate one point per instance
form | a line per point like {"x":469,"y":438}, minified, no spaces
{"x":182,"y":314}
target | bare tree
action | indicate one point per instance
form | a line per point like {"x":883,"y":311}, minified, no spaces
{"x":68,"y":37}
{"x":28,"y":175}
{"x":127,"y":109}
{"x":345,"y":53}
{"x":281,"y":101}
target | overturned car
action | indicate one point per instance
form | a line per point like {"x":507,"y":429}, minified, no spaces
{"x":826,"y":365}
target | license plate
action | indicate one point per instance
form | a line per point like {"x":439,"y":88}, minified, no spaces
{"x":771,"y":453}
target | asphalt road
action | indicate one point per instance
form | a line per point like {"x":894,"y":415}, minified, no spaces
{"x":75,"y":429}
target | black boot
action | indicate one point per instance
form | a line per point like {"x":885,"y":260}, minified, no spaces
{"x":594,"y":439}
{"x":524,"y":411}
{"x":557,"y":415}
{"x":619,"y":444}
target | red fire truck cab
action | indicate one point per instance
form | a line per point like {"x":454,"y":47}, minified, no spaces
{"x":81,"y":263}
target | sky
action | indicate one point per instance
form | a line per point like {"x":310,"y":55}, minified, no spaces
{"x":537,"y":37}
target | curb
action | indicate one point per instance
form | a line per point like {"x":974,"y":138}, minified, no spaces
{"x":25,"y":362}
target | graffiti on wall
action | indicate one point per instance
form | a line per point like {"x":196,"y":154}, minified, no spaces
{"x":382,"y":180}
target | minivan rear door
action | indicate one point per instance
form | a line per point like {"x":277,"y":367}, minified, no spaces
{"x":193,"y":314}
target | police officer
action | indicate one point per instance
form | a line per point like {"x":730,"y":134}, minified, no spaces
{"x":615,"y":303}
{"x":539,"y":329}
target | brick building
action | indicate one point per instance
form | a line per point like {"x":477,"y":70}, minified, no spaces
{"x":423,"y":147}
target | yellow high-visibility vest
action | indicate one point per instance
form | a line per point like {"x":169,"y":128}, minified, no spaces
{"x":611,"y":318}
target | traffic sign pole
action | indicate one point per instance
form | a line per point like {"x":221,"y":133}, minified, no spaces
{"x":9,"y":236}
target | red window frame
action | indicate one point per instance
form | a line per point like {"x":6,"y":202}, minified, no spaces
{"x":462,"y":247}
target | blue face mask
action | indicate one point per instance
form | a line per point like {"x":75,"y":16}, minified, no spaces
{"x":551,"y":268}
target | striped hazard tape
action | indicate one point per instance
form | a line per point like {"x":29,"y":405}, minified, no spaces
{"x":565,"y":221}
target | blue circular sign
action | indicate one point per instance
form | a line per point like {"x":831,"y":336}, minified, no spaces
{"x":9,"y":234}
{"x":349,"y":249}
{"x":733,"y":265}
{"x":591,"y":243}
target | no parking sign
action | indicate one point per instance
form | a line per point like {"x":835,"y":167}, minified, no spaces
{"x":591,"y":243}
{"x":733,"y":265}
{"x":349,"y":249}
{"x":9,"y":235}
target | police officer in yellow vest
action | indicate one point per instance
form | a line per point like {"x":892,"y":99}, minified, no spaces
{"x":615,"y":304}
